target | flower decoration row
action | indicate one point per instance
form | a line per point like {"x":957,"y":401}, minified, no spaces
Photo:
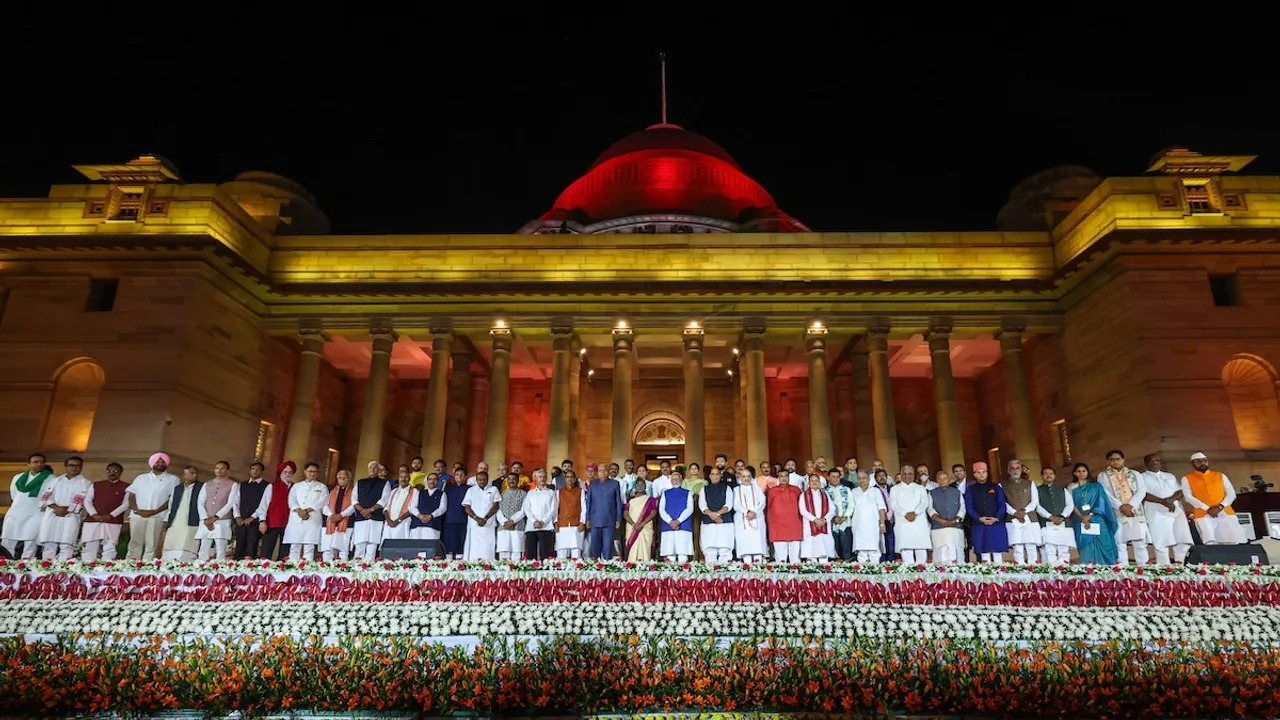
{"x":567,"y":676}
{"x":452,"y":568}
{"x":1212,"y":591}
{"x":444,"y":620}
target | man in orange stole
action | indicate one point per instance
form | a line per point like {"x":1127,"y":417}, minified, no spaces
{"x":1210,"y":495}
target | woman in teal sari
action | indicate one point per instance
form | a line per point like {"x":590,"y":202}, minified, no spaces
{"x":1093,"y":510}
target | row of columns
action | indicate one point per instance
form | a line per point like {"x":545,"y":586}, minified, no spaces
{"x":869,"y":362}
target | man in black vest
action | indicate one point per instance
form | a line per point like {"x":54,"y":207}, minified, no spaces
{"x":372,"y":495}
{"x":250,"y":512}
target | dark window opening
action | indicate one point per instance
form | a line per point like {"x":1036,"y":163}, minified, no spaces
{"x":102,"y":295}
{"x":1225,"y":290}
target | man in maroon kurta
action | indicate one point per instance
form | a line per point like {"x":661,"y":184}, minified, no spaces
{"x":782,"y":518}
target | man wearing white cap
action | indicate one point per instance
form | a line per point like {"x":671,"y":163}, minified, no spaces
{"x":148,"y":496}
{"x":1210,"y":495}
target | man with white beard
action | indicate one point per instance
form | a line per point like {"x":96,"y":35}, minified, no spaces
{"x":62,"y":500}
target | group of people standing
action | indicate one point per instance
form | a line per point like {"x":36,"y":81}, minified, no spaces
{"x":823,"y":514}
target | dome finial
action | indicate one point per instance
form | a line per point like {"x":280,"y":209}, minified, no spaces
{"x":662,"y":58}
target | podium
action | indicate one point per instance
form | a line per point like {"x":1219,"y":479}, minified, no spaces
{"x":1257,"y":504}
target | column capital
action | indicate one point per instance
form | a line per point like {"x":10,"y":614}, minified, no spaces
{"x":1011,"y":326}
{"x":754,"y":325}
{"x":441,"y":326}
{"x":562,"y":325}
{"x":461,"y":351}
{"x":313,"y":332}
{"x":383,"y":340}
{"x":878,"y":326}
{"x":501,"y":339}
{"x":939,"y":326}
{"x":694,"y":337}
{"x":815,"y":341}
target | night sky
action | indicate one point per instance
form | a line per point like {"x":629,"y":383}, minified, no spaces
{"x":417,"y":125}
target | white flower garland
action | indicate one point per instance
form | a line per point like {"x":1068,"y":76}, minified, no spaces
{"x":442,"y":620}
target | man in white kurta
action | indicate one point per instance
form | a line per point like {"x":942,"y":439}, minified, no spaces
{"x":912,"y":536}
{"x":306,"y":514}
{"x":217,"y":500}
{"x":481,"y":504}
{"x":63,"y":498}
{"x":149,"y":496}
{"x":869,"y":516}
{"x":748,"y":520}
{"x":183,"y":519}
{"x":1126,"y":491}
{"x":1166,"y":517}
{"x":401,"y":503}
{"x":335,"y":543}
{"x":1022,"y":523}
{"x":1211,"y":496}
{"x":104,"y":516}
{"x":715,"y":500}
{"x":816,"y":511}
{"x":372,"y":494}
{"x":22,"y":521}
{"x":675,"y":510}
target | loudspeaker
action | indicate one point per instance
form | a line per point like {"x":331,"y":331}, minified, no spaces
{"x":409,"y":549}
{"x":1227,"y":554}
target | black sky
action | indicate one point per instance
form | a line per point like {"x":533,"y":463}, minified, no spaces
{"x":424,"y":123}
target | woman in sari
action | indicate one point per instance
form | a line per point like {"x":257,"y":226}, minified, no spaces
{"x":1095,"y":521}
{"x":641,"y":511}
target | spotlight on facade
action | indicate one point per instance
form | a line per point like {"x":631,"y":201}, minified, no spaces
{"x":621,"y":325}
{"x":730,"y":372}
{"x":500,"y":328}
{"x":582,"y":351}
{"x":693,"y":325}
{"x":591,"y":372}
{"x":817,"y":328}
{"x":735,"y":351}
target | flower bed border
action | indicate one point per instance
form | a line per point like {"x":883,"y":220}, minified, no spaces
{"x":630,"y":675}
{"x":457,"y":568}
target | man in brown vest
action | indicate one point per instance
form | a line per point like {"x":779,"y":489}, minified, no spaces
{"x":105,"y":505}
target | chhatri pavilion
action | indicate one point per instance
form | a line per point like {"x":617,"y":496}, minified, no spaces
{"x":664,"y":307}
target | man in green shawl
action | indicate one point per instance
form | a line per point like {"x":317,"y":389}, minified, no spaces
{"x":22,"y":522}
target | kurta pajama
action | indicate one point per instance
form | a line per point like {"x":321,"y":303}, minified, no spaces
{"x":335,"y":543}
{"x":1024,"y":535}
{"x":816,"y":542}
{"x":511,"y":509}
{"x":749,"y":534}
{"x":912,"y":538}
{"x":183,"y":520}
{"x":150,"y":492}
{"x":1203,"y":490}
{"x":58,"y":535}
{"x":948,"y":540}
{"x":400,"y":506}
{"x":987,"y":499}
{"x":100,"y":538}
{"x":1126,"y":488}
{"x":541,"y":505}
{"x":302,"y":536}
{"x":1168,"y":528}
{"x":868,"y":542}
{"x":676,"y":505}
{"x":782,"y":508}
{"x":572,"y":504}
{"x":482,"y":539}
{"x":22,"y":520}
{"x":216,"y":500}
{"x":1056,"y":501}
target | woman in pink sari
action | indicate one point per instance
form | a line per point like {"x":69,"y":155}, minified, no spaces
{"x":641,"y":511}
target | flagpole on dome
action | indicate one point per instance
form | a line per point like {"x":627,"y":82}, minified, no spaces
{"x":662,"y":57}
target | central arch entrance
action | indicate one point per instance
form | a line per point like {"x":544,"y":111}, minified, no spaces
{"x":659,"y":436}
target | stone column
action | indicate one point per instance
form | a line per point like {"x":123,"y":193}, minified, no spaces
{"x":575,"y":402}
{"x":886,"y":424}
{"x":846,"y":438}
{"x":950,"y":441}
{"x":815,"y":341}
{"x":1025,"y":445}
{"x":437,"y":392}
{"x":695,"y":441}
{"x":623,"y":372}
{"x":753,"y":375}
{"x":307,"y":380}
{"x":495,"y":433}
{"x":864,"y":418}
{"x":456,"y":426}
{"x":561,"y":351}
{"x":375,"y":397}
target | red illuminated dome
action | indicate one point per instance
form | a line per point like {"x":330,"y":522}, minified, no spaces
{"x":663,"y":180}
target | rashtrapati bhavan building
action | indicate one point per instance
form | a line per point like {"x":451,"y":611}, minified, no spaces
{"x":664,"y":308}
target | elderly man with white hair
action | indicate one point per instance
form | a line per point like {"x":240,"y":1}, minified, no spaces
{"x":373,"y":494}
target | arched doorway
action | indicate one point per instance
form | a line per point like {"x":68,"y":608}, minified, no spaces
{"x":659,"y":436}
{"x":1250,"y":383}
{"x":77,"y":386}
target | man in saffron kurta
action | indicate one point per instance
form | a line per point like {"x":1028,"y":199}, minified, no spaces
{"x":782,"y":517}
{"x":1210,"y":495}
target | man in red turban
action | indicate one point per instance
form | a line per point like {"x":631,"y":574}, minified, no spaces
{"x":277,"y":514}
